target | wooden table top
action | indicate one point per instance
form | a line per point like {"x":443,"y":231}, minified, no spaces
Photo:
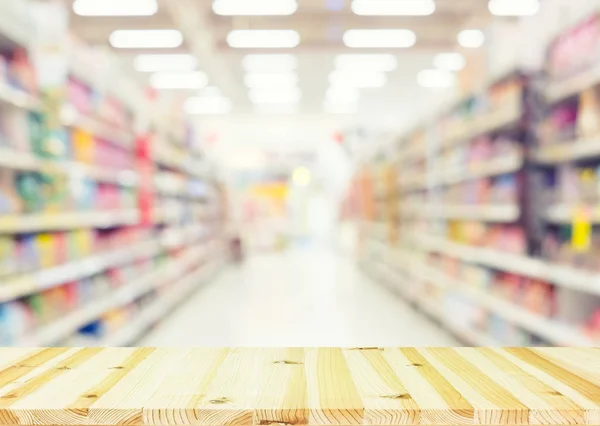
{"x":296,"y":386}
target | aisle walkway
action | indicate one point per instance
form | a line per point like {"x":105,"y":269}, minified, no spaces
{"x":297,"y":298}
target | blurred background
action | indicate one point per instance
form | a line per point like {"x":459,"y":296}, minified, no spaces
{"x":300,"y":172}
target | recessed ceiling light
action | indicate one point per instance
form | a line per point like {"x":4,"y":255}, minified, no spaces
{"x":146,"y":39}
{"x":268,"y":80}
{"x":373,"y":62}
{"x":155,"y":63}
{"x":357,"y":79}
{"x":436,"y":79}
{"x":251,"y":39}
{"x":272,"y":63}
{"x":205,"y":105}
{"x":471,"y":38}
{"x":393,"y":7}
{"x":255,"y":7}
{"x":115,"y":7}
{"x":284,"y":96}
{"x":380,"y":38}
{"x":179,"y":80}
{"x":514,"y":7}
{"x":449,"y":61}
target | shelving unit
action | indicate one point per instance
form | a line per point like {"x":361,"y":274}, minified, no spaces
{"x":99,"y":264}
{"x":476,"y":260}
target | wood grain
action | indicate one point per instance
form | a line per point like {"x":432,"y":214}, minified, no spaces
{"x":299,"y":386}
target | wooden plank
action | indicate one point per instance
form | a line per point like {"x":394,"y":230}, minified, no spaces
{"x":179,"y":395}
{"x":385,"y":399}
{"x":230,"y":395}
{"x":333,"y":398}
{"x":584,"y":363}
{"x":544,"y":403}
{"x":38,"y":378}
{"x":297,"y":386}
{"x":12,"y":356}
{"x":440,"y":403}
{"x":281,"y":389}
{"x":120,"y":397}
{"x":74,"y":390}
{"x":495,"y":405}
{"x":581,"y":391}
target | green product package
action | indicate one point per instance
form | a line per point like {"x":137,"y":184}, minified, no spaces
{"x":36,"y":303}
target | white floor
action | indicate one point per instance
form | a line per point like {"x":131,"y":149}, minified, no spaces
{"x":303,"y":297}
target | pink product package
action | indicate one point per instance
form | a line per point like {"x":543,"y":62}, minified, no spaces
{"x":80,"y":97}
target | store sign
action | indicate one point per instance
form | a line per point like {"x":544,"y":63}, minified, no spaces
{"x":576,"y":49}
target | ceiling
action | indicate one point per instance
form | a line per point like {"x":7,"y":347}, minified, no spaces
{"x":321,"y":24}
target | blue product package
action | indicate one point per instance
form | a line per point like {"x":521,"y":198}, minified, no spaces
{"x":95,"y":329}
{"x":5,"y":326}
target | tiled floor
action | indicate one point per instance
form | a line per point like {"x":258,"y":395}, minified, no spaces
{"x":302,"y":297}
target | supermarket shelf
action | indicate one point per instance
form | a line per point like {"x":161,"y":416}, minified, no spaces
{"x":48,"y":278}
{"x":161,"y":307}
{"x":100,"y":129}
{"x":563,"y":276}
{"x":487,"y":123}
{"x":28,"y":162}
{"x":14,"y":224}
{"x":495,"y":167}
{"x":472,"y":337}
{"x":559,"y":91}
{"x":457,"y":174}
{"x":567,"y":151}
{"x":71,"y":322}
{"x":564,"y":213}
{"x":432,"y":310}
{"x":491,"y":213}
{"x":551,"y":330}
{"x":17,"y":98}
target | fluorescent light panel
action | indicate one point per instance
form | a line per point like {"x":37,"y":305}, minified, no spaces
{"x":256,"y":39}
{"x":146,"y":39}
{"x":206,"y":105}
{"x":179,"y":80}
{"x":514,"y":7}
{"x":284,"y":96}
{"x":268,"y":80}
{"x":271,"y":63}
{"x":156,"y":63}
{"x":401,"y":38}
{"x":254,"y":7}
{"x":436,"y":79}
{"x":115,"y":7}
{"x":371,"y":62}
{"x":393,"y":7}
{"x":471,"y":39}
{"x":449,"y":61}
{"x":357,"y":79}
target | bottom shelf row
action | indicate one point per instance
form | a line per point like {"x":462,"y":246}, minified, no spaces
{"x":112,"y":308}
{"x":475,"y":315}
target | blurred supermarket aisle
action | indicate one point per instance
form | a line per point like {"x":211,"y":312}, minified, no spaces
{"x":301,"y":297}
